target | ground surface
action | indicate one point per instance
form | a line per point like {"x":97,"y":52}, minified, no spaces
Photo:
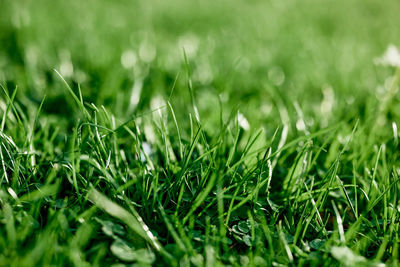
{"x":199,"y":133}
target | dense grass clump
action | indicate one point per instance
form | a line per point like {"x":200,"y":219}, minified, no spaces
{"x":199,"y":133}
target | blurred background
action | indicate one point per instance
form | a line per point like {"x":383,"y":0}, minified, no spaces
{"x":314,"y":58}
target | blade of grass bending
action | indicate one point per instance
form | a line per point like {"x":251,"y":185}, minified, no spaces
{"x":8,"y":106}
{"x":42,"y":192}
{"x":346,"y":195}
{"x":11,"y":103}
{"x":190,"y":86}
{"x":133,"y":221}
{"x":77,"y":100}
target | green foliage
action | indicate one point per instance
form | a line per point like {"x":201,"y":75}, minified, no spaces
{"x":204,"y":133}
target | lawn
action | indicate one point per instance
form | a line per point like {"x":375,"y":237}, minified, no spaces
{"x":199,"y":133}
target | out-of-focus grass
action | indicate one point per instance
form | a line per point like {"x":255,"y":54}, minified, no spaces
{"x":198,"y":132}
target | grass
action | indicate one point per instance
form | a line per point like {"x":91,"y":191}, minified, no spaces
{"x":204,"y":133}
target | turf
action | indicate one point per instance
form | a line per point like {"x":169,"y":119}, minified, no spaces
{"x":199,"y":133}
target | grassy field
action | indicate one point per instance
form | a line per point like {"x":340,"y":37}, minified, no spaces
{"x":199,"y":133}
